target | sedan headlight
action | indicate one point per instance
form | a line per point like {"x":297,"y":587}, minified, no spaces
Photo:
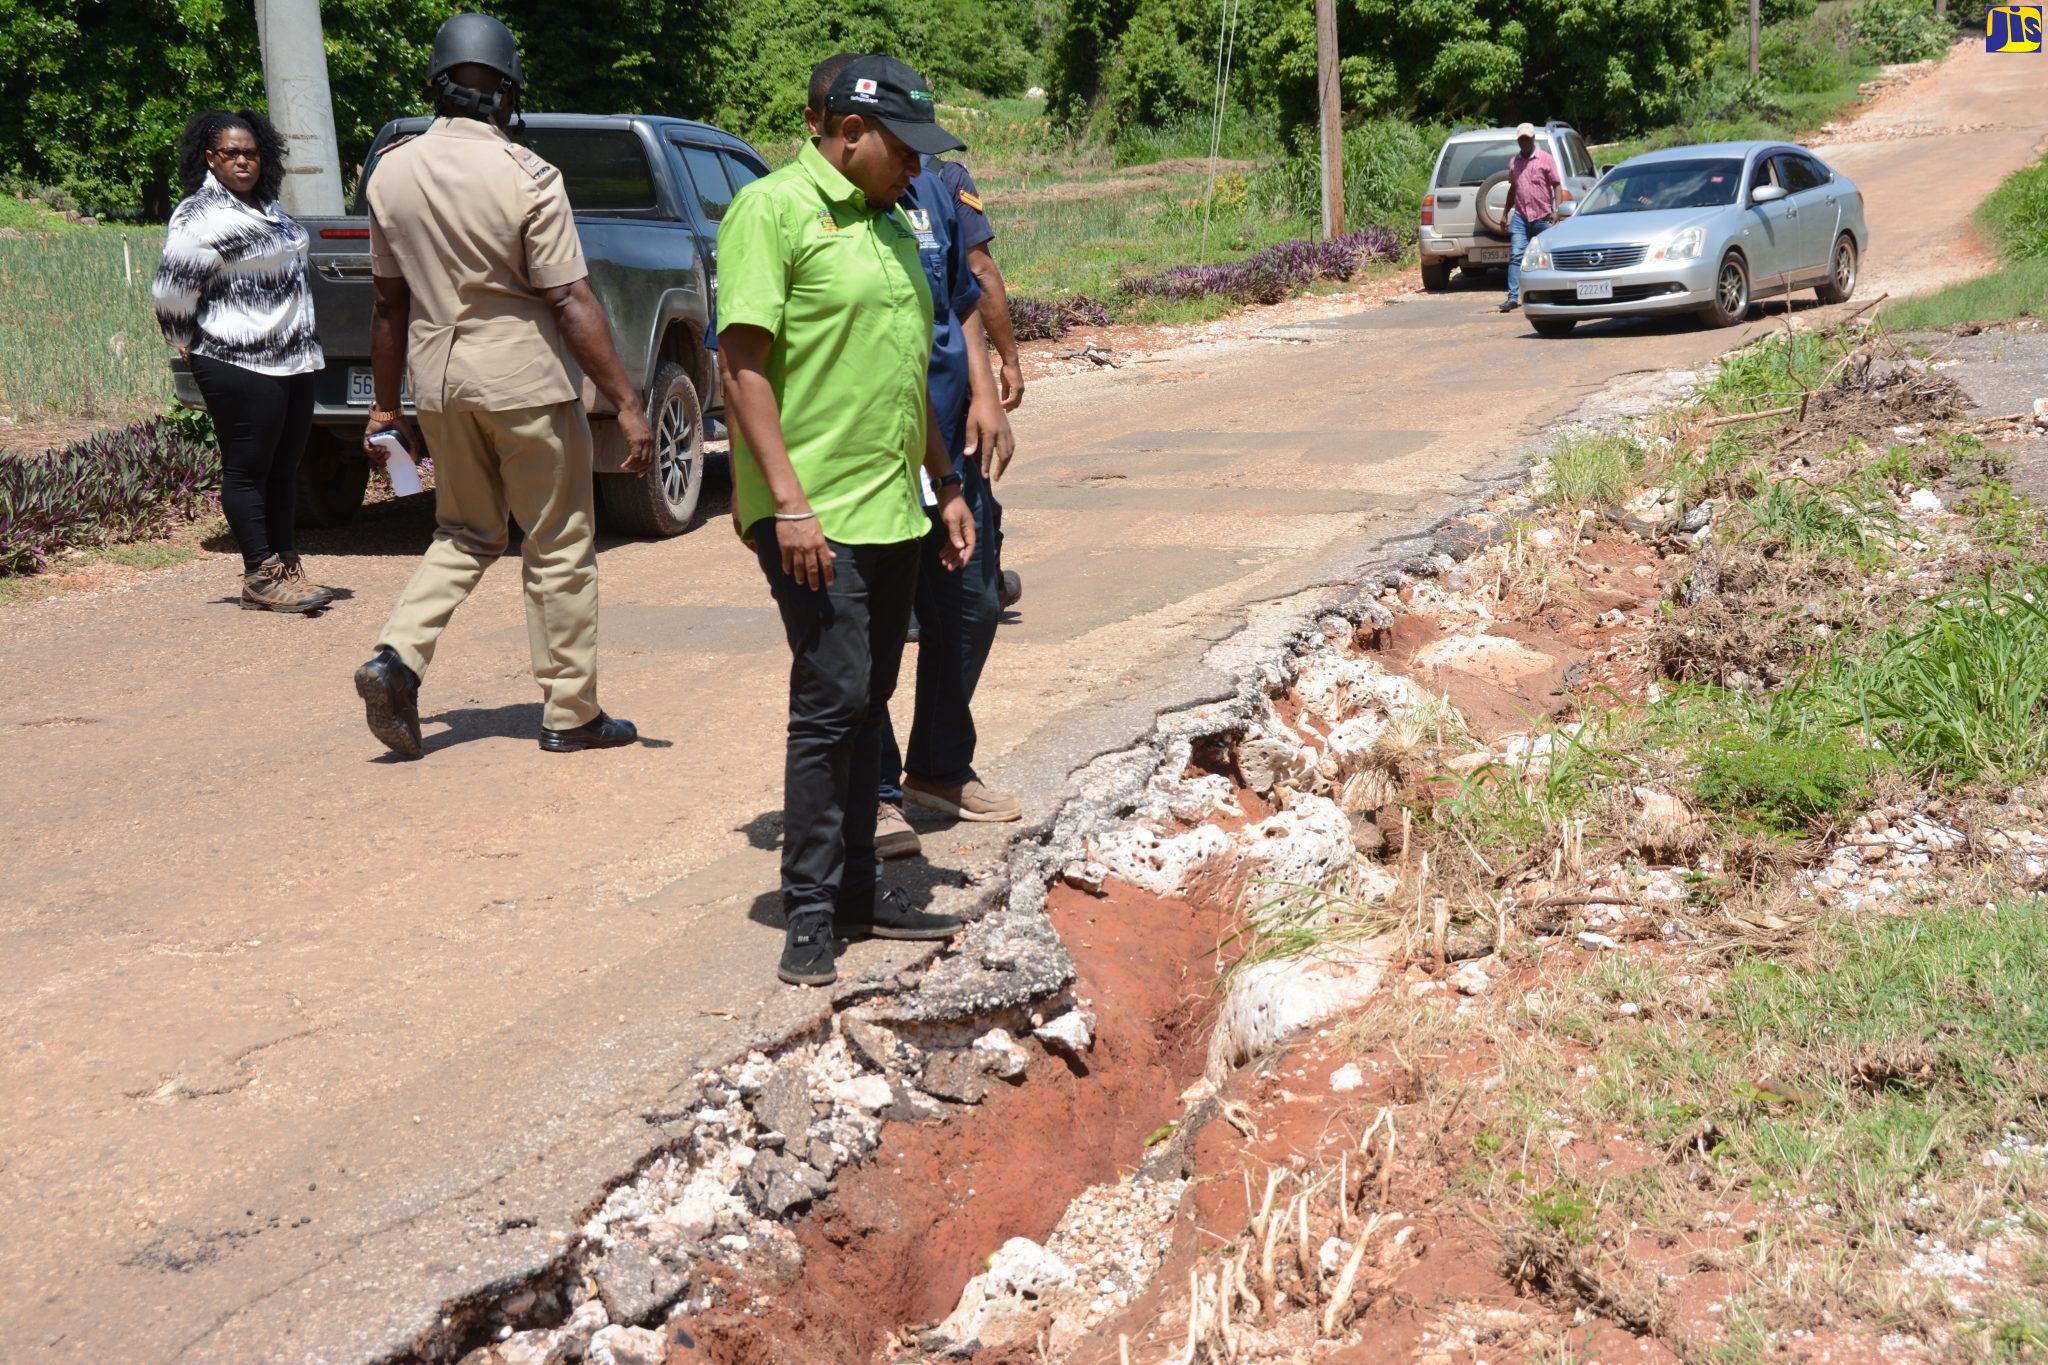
{"x":1686,"y":246}
{"x":1536,"y":256}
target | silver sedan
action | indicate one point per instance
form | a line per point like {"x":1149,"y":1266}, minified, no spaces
{"x":1706,"y":230}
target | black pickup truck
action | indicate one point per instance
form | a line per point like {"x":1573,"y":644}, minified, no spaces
{"x":648,"y":193}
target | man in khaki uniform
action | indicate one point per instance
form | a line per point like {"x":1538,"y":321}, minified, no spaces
{"x":480,"y":283}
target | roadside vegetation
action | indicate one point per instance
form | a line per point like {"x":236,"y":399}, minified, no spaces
{"x":1726,"y":1027}
{"x":2014,"y":221}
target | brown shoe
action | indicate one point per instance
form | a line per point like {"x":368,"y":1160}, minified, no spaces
{"x":971,"y":800}
{"x":271,"y":588}
{"x":295,"y":571}
{"x":894,"y":838}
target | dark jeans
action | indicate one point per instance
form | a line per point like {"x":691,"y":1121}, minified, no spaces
{"x":845,"y":645}
{"x":263,"y":421}
{"x":956,"y":627}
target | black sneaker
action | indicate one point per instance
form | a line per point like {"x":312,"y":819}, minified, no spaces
{"x":391,"y":701}
{"x":807,"y":953}
{"x":891,"y":915}
{"x":606,"y":732}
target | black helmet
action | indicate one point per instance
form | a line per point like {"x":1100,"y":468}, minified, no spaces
{"x":476,"y":38}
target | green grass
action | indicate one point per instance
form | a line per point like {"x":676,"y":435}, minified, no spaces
{"x":2018,"y":290}
{"x":1592,"y":471}
{"x":2015,"y":221}
{"x":77,"y":335}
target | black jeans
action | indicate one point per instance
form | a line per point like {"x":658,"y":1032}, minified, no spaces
{"x":263,"y":421}
{"x":957,"y":614}
{"x":845,"y":645}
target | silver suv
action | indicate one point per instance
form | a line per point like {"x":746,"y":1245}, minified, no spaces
{"x":1464,"y":215}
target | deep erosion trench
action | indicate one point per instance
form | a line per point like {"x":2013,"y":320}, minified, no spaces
{"x":987,"y":1158}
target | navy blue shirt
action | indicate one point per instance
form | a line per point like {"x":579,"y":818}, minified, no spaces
{"x":974,"y":226}
{"x":933,"y":209}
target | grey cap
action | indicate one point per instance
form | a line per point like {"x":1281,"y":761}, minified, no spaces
{"x":476,"y":38}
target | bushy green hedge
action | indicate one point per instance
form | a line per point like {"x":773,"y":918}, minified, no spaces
{"x":1902,"y":30}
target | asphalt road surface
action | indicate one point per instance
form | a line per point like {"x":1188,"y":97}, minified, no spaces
{"x":298,"y":1042}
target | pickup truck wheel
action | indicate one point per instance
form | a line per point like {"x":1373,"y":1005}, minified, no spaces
{"x":333,"y":473}
{"x":1436,"y":276}
{"x":663,"y":501}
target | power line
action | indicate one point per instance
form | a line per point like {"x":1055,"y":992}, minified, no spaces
{"x":1226,"y":43}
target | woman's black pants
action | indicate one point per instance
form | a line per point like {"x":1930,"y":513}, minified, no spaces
{"x":263,"y":421}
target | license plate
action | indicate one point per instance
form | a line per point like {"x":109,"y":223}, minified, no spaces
{"x":1596,"y":289}
{"x":1488,"y":255}
{"x":362,"y":387}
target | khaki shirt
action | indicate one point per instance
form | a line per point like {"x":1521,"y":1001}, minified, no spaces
{"x":477,"y":226}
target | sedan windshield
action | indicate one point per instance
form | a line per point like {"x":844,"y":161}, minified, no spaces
{"x":1666,"y":185}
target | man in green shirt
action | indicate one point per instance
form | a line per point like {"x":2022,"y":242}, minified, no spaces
{"x":825,"y":329}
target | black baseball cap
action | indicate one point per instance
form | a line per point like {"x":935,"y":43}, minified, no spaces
{"x":890,"y":92}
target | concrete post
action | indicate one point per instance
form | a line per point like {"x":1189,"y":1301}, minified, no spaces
{"x":302,"y":107}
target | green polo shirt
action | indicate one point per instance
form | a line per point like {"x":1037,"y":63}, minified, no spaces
{"x":839,"y":286}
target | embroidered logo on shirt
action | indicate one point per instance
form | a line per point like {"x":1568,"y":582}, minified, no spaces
{"x":827,"y":221}
{"x":972,"y":201}
{"x":920,"y":220}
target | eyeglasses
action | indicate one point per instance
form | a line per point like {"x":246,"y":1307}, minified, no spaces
{"x":236,"y":154}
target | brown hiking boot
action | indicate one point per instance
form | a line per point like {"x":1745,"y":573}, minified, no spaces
{"x":295,"y":571}
{"x":894,"y":838}
{"x":271,"y":588}
{"x":971,"y":800}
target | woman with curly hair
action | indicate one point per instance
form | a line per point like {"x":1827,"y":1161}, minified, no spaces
{"x":231,"y":295}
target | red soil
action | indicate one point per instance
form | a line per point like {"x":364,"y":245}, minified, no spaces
{"x":899,"y":1240}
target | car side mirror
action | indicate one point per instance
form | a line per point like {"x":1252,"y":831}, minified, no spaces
{"x":1602,"y":170}
{"x":1766,"y":194}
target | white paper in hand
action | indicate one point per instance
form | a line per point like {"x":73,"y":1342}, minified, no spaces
{"x":398,"y":465}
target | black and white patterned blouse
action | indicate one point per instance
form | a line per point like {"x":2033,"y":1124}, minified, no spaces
{"x":232,"y":284}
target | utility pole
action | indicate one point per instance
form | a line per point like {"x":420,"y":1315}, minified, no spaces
{"x":301,"y":105}
{"x":1329,"y":99}
{"x":1756,"y":35}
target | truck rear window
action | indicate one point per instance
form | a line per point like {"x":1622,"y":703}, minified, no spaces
{"x":604,"y":169}
{"x":1474,"y":163}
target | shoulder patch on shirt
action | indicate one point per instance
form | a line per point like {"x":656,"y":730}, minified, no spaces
{"x":529,"y":160}
{"x":972,"y":201}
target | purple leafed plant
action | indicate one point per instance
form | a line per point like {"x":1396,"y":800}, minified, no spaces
{"x":112,"y":486}
{"x":1275,"y":273}
{"x":1044,"y":319}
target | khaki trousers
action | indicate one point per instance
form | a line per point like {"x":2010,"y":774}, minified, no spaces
{"x":534,"y":463}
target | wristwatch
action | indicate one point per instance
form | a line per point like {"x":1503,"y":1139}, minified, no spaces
{"x":948,"y":481}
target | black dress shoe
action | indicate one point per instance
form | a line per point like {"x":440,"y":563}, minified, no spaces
{"x":603,"y":733}
{"x":1009,"y":589}
{"x":391,"y":701}
{"x":891,"y":915}
{"x":807,"y":953}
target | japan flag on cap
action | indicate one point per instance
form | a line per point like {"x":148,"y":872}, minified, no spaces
{"x":864,"y":86}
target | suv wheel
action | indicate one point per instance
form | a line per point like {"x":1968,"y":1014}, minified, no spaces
{"x":333,"y":475}
{"x":1553,"y":327}
{"x":663,"y":501}
{"x":1841,"y":272}
{"x":1436,"y":276}
{"x":1731,"y":293}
